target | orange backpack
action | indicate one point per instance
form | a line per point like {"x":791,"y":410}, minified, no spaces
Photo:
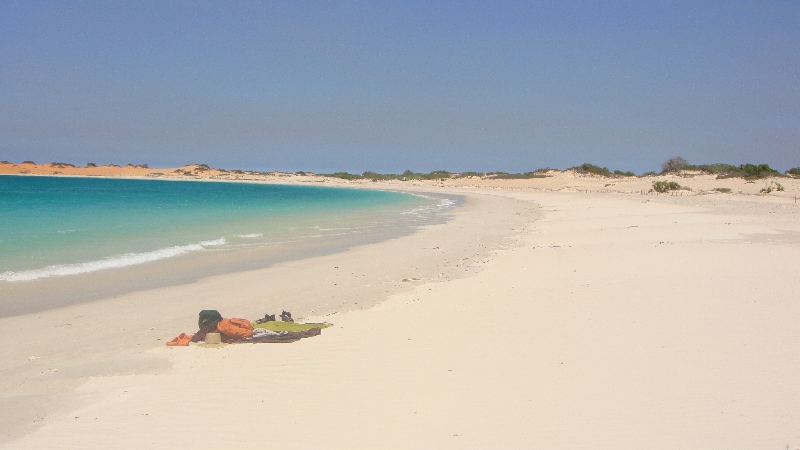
{"x":235,"y":328}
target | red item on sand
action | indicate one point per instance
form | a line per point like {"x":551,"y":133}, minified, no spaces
{"x":235,"y":328}
{"x":180,"y":341}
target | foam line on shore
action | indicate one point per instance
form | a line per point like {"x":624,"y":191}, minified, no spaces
{"x":113,"y":262}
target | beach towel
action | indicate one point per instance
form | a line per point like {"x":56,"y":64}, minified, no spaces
{"x":289,"y":326}
{"x":285,"y":337}
{"x":235,"y":328}
{"x":181,"y":341}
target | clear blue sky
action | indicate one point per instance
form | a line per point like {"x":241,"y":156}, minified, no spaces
{"x":389,"y":86}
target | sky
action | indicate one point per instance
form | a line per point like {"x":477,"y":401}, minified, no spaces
{"x":388,"y":86}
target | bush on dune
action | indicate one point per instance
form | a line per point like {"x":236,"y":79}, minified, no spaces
{"x":755,"y":171}
{"x":344,"y":175}
{"x":746,"y":171}
{"x":515,"y":176}
{"x":592,"y":169}
{"x":674,"y":165}
{"x":666,"y":186}
{"x":722,"y":170}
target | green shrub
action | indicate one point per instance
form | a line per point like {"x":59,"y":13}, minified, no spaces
{"x":517,"y":176}
{"x":746,"y":171}
{"x":647,"y":174}
{"x":715,"y":169}
{"x":758,"y":171}
{"x":624,"y":174}
{"x":772,"y":186}
{"x":794,"y":171}
{"x":344,"y":176}
{"x":666,"y":186}
{"x":723,"y":190}
{"x":433,"y":175}
{"x":91,"y":164}
{"x":437,"y":175}
{"x":591,"y":168}
{"x":470,"y":174}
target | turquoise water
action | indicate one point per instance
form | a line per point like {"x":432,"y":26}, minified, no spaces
{"x":61,"y":227}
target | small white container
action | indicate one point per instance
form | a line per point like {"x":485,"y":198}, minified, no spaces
{"x":213,"y":338}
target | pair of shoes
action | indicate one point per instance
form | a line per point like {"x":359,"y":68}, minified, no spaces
{"x":267,"y":318}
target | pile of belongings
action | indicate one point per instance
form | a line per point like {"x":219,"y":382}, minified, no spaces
{"x":236,"y":330}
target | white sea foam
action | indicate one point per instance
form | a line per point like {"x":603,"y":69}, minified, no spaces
{"x":220,"y":241}
{"x":113,"y":262}
{"x":444,"y":204}
{"x":251,"y":235}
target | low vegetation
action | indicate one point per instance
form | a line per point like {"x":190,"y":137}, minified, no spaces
{"x":723,"y":190}
{"x":436,"y":175}
{"x":592,"y":169}
{"x":751,"y":172}
{"x":666,"y":186}
{"x":515,"y":176}
{"x":794,"y":171}
{"x":344,"y":176}
{"x":587,"y":168}
{"x":771,"y":186}
{"x":721,"y":170}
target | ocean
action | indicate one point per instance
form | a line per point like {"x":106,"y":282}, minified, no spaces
{"x":58,"y":228}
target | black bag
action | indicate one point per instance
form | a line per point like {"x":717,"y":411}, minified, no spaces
{"x":208,"y":317}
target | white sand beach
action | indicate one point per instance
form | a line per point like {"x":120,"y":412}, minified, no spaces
{"x":540,"y":316}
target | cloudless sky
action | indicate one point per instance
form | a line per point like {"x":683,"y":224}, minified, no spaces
{"x":389,"y":86}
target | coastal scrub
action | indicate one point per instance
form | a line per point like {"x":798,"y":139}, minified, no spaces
{"x":666,"y":186}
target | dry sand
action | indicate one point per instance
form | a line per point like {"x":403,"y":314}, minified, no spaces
{"x":548,"y":317}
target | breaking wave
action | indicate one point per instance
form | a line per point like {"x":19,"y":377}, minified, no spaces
{"x":112,"y":262}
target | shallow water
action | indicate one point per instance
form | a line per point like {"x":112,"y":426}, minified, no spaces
{"x":77,"y":239}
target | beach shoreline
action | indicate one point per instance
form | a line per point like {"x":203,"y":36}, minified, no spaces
{"x":79,"y":328}
{"x":581,"y":316}
{"x":171,"y":252}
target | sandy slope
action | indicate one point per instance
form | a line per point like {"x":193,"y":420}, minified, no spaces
{"x":570,"y":181}
{"x":616,"y":321}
